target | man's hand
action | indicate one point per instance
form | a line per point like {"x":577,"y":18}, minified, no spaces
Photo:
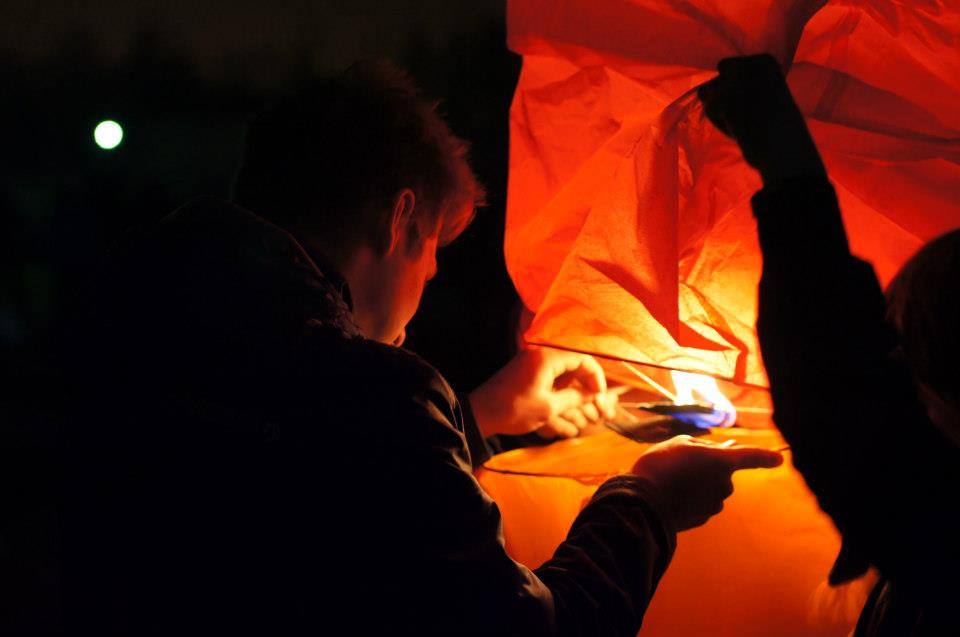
{"x":751,"y":102}
{"x":694,"y":476}
{"x":553,"y":392}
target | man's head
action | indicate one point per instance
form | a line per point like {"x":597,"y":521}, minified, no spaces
{"x":923,"y":303}
{"x":362,"y":169}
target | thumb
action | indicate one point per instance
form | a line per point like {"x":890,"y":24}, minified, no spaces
{"x":581,"y":367}
{"x":591,"y":375}
{"x":744,"y":457}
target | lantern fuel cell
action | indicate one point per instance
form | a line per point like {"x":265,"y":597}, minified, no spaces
{"x":696,"y":414}
{"x":655,"y":428}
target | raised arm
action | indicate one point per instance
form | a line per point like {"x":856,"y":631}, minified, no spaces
{"x":849,"y":409}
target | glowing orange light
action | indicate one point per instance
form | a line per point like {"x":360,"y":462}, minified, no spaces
{"x":629,"y":231}
{"x":688,"y":386}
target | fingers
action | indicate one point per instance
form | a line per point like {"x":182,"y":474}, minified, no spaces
{"x":730,"y":456}
{"x":737,"y":457}
{"x":761,"y":64}
{"x":548,"y":432}
{"x":591,"y":375}
{"x":713,"y":105}
{"x":591,"y":412}
{"x":581,"y":367}
{"x":576,"y":416}
{"x":563,"y":400}
{"x":559,"y":427}
{"x":574,"y":405}
{"x":745,"y":88}
{"x":570,"y":422}
{"x":584,"y":387}
{"x":607,"y":404}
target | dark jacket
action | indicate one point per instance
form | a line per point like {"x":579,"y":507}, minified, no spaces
{"x":243,"y":460}
{"x":849,"y":409}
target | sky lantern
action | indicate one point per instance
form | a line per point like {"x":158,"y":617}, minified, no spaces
{"x":630,"y":235}
{"x":629,"y":230}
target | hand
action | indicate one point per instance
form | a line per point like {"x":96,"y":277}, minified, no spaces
{"x":694,"y":476}
{"x":554,"y":392}
{"x":750,"y":101}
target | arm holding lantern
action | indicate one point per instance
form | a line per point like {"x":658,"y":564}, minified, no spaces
{"x":847,"y":406}
{"x":446,"y":562}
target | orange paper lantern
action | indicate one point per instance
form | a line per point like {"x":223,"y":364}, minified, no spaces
{"x":629,"y":232}
{"x":630,"y":235}
{"x":757,"y":569}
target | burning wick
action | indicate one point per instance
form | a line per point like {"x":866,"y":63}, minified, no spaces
{"x":712,"y":410}
{"x":687,"y":384}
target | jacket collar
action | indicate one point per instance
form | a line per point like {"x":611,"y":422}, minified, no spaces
{"x":331,"y":274}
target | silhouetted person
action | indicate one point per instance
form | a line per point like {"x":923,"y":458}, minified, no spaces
{"x":873,"y":419}
{"x":255,"y":452}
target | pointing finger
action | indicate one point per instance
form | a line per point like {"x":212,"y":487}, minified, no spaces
{"x":749,"y":457}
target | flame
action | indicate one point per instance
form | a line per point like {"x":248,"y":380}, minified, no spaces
{"x":686,"y":384}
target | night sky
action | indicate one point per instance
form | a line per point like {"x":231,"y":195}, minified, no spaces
{"x":184,"y":79}
{"x":217,"y":34}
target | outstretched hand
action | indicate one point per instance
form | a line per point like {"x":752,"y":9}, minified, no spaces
{"x":553,"y":392}
{"x":695,"y":476}
{"x":750,"y":101}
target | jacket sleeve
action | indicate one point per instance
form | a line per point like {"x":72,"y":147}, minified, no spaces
{"x":479,"y":449}
{"x":605,"y":573}
{"x":848,"y":408}
{"x":598,"y":583}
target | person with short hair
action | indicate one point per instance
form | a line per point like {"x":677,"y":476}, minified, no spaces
{"x":254,"y":452}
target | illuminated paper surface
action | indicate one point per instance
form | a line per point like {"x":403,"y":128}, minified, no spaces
{"x":629,"y":231}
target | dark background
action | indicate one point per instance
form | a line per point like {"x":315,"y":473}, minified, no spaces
{"x":183,"y":79}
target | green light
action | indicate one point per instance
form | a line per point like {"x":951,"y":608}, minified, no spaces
{"x":108,"y":134}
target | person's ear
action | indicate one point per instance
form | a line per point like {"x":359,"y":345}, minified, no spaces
{"x":400,"y":219}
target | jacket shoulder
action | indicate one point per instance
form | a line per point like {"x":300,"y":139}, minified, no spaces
{"x":385,"y":375}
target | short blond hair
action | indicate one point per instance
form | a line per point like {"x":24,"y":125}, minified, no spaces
{"x":322,"y":162}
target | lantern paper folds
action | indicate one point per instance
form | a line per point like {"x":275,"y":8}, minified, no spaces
{"x":629,"y":229}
